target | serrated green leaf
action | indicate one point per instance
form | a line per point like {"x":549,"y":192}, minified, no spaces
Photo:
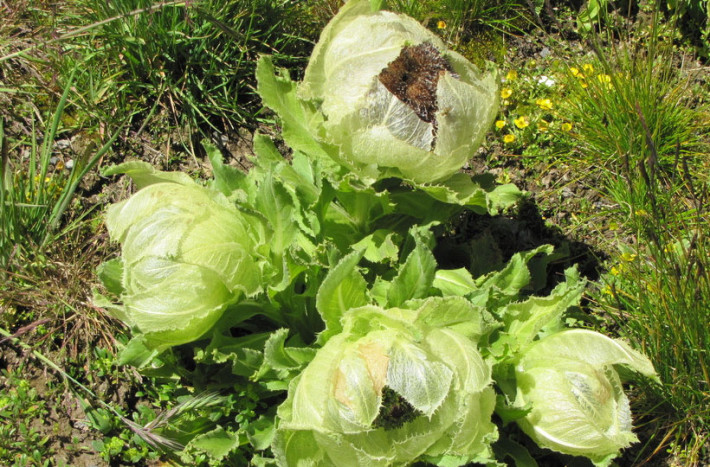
{"x":274,"y":202}
{"x":227,"y":179}
{"x":380,"y":246}
{"x":218,"y":443}
{"x":343,"y":288}
{"x":415,"y":276}
{"x":279,"y":94}
{"x":456,"y":282}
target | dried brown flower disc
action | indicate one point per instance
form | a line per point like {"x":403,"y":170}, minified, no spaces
{"x":413,"y":76}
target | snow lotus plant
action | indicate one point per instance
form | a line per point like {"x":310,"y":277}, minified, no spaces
{"x":384,"y":97}
{"x":578,"y":403}
{"x":187,"y":254}
{"x":307,"y":290}
{"x":395,"y":386}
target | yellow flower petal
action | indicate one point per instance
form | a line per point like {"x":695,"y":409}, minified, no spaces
{"x":522,"y":122}
{"x":509,"y":138}
{"x":441,"y":25}
{"x":566,"y":126}
{"x":506,"y":93}
{"x":500,"y":124}
{"x":544,"y":104}
{"x":512,"y":75}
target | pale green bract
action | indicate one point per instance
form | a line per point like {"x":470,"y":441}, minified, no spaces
{"x":578,"y":403}
{"x":332,"y":405}
{"x":187,"y":253}
{"x":377,"y":134}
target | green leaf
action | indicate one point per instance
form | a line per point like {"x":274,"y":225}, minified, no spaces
{"x":227,"y":179}
{"x":274,"y":202}
{"x":343,"y":288}
{"x":415,"y":276}
{"x":456,"y":282}
{"x":260,"y":432}
{"x":143,"y":174}
{"x":218,"y":443}
{"x":380,"y":246}
{"x":280,"y":357}
{"x":377,"y":5}
{"x":526,"y":319}
{"x":137,"y":353}
{"x":279,"y":94}
{"x":111,"y":274}
{"x":505,"y":447}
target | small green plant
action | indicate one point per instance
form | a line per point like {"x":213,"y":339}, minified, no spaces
{"x":21,"y":443}
{"x":34,"y":192}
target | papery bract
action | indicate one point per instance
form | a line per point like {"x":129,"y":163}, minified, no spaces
{"x":187,"y":253}
{"x":578,"y":403}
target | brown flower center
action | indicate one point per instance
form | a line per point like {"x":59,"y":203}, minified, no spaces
{"x":412,"y":78}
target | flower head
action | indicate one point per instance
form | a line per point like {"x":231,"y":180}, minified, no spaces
{"x":500,"y":124}
{"x":522,"y":122}
{"x":566,"y":126}
{"x":509,"y":138}
{"x":512,"y":75}
{"x":577,"y":398}
{"x":392,"y":100}
{"x":544,"y":104}
{"x":341,"y":405}
{"x":506,"y":93}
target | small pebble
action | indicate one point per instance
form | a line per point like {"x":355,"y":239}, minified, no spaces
{"x":69,"y":164}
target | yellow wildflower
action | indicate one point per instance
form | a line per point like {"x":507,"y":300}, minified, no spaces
{"x":615,"y":271}
{"x":575,"y":72}
{"x":641,"y":213}
{"x":566,"y":126}
{"x":509,"y":138}
{"x":544,"y":104}
{"x":522,"y":122}
{"x":500,"y":124}
{"x":605,"y":80}
{"x":512,"y":75}
{"x":584,"y":84}
{"x":628,"y":257}
{"x":588,"y":67}
{"x":441,"y":25}
{"x":506,"y":93}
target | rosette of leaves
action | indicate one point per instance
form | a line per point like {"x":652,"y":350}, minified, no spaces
{"x":187,"y":253}
{"x":395,"y":386}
